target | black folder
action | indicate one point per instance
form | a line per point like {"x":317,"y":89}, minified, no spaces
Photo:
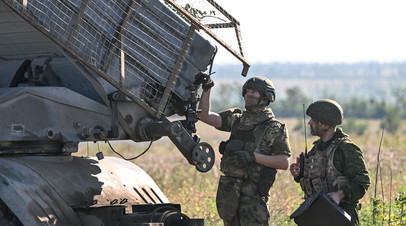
{"x":320,"y":210}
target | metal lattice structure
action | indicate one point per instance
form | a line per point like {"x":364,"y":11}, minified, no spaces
{"x":210,"y":17}
{"x":138,"y":46}
{"x":141,"y":47}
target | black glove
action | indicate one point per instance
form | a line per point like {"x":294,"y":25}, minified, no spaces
{"x":222,"y":146}
{"x":204,"y":79}
{"x":243,"y":158}
{"x":208,"y":85}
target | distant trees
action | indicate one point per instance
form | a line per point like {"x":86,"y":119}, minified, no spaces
{"x":394,"y":113}
{"x":292,"y":105}
{"x":358,"y":127}
{"x":229,"y":95}
{"x":392,"y":119}
{"x":400,"y":95}
{"x":364,"y":108}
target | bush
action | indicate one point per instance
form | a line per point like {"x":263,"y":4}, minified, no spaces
{"x":379,"y":213}
{"x":400,"y":205}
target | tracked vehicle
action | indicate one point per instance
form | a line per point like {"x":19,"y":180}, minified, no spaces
{"x":76,"y":71}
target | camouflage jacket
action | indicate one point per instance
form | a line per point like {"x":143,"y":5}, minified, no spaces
{"x":275,"y":140}
{"x":349,"y":161}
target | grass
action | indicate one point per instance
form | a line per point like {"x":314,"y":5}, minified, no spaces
{"x":196,"y":191}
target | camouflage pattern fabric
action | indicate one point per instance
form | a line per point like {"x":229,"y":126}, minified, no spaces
{"x":320,"y":174}
{"x":242,"y":125}
{"x":228,"y":164}
{"x":228,"y":196}
{"x":246,"y":126}
{"x":349,"y":161}
{"x":252,"y":209}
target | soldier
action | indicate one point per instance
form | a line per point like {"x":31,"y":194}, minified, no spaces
{"x":335,"y":165}
{"x":257,"y":147}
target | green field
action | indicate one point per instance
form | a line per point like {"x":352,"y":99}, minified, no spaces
{"x":196,"y":191}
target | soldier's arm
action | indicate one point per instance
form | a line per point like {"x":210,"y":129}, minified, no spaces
{"x":207,"y":116}
{"x":280,"y":161}
{"x":354,"y":168}
{"x":277,"y":140}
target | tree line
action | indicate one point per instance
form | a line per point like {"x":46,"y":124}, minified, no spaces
{"x":228,"y":95}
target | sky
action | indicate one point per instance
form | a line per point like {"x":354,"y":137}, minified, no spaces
{"x":319,"y":31}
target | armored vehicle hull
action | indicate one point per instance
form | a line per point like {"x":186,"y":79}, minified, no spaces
{"x":76,"y":71}
{"x":68,"y":190}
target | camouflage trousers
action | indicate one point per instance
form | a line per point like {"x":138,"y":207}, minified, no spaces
{"x":239,"y":203}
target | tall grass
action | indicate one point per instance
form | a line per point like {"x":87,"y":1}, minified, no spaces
{"x":196,"y":191}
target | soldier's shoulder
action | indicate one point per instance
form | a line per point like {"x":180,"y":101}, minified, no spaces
{"x":273,"y":122}
{"x":348,"y":146}
{"x":275,"y":126}
{"x":230,"y":113}
{"x":228,"y":118}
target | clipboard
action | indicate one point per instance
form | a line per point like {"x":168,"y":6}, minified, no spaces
{"x":320,"y":210}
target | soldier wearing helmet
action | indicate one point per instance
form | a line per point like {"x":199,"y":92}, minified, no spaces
{"x":257,"y":147}
{"x":335,"y":165}
{"x":264,"y":87}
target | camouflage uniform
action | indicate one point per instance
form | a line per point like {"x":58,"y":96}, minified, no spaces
{"x":243,"y":190}
{"x":346,"y":171}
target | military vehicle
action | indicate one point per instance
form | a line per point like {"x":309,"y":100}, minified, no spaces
{"x":76,"y":71}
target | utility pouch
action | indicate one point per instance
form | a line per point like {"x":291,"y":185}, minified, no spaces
{"x":341,"y":181}
{"x":234,"y":145}
{"x":227,"y":164}
{"x":306,"y":186}
{"x":229,"y":168}
{"x":230,"y":145}
{"x":266,"y":181}
{"x":319,"y":185}
{"x":228,"y":197}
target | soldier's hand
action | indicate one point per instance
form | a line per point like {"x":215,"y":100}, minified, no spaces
{"x":204,"y":79}
{"x":336,"y":196}
{"x":295,"y":168}
{"x":243,"y":157}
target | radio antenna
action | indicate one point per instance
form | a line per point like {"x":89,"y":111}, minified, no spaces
{"x":304,"y":125}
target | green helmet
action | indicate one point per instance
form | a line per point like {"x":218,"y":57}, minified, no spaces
{"x":326,"y":111}
{"x":261,"y":84}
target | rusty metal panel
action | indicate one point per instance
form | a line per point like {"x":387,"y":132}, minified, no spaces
{"x":31,"y":198}
{"x":42,"y":189}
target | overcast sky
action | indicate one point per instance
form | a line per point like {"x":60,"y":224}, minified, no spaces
{"x":324,"y":31}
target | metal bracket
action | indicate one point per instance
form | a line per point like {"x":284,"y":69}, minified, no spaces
{"x":201,"y":155}
{"x":115,"y":116}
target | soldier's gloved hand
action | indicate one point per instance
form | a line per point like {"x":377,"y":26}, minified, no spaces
{"x":243,"y":157}
{"x":208,"y":85}
{"x":204,"y":79}
{"x":222,"y":147}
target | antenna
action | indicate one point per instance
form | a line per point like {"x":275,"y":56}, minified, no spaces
{"x":304,"y":125}
{"x":302,"y":155}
